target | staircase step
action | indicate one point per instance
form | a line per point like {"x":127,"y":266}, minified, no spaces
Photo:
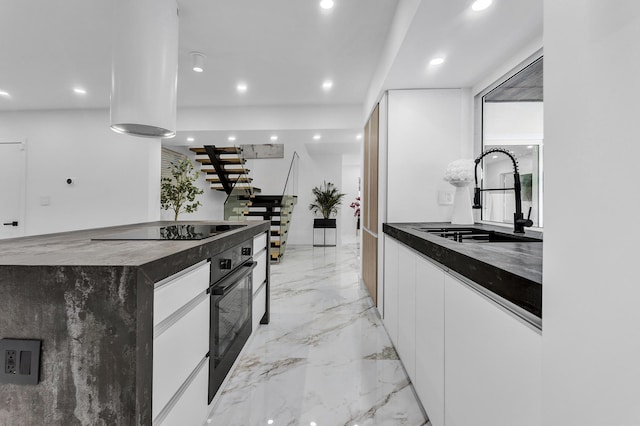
{"x":224,"y":161}
{"x":266,"y":204}
{"x":218,"y":150}
{"x":227,"y":170}
{"x":275,"y":255}
{"x":241,"y":179}
{"x":268,"y":214}
{"x":268,"y":197}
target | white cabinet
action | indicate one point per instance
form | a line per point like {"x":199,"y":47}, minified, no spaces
{"x":390,"y":288}
{"x":188,"y":408}
{"x":470,"y":361}
{"x":492,"y":362}
{"x":180,"y":345}
{"x":429,"y":347}
{"x":406,"y":345}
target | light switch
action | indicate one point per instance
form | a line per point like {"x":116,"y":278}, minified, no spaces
{"x":445,"y":198}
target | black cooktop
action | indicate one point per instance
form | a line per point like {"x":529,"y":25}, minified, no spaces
{"x":170,"y":232}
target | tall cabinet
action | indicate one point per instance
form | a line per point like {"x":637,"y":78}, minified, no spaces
{"x":369,"y":204}
{"x":409,"y":138}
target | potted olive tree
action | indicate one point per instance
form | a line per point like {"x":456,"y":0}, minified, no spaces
{"x":326,"y":202}
{"x":178,"y":192}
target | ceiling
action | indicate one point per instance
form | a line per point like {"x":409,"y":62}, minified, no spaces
{"x":473,"y":44}
{"x":283,"y":50}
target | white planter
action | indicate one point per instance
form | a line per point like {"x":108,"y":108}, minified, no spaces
{"x":462,"y":212}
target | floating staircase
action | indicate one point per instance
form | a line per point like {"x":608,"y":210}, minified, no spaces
{"x":277,"y":209}
{"x":225,"y":170}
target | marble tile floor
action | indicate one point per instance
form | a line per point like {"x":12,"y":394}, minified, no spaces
{"x":325,"y":359}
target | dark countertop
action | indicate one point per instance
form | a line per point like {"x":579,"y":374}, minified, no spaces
{"x":76,"y":248}
{"x":512,"y":271}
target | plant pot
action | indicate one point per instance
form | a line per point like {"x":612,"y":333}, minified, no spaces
{"x":462,"y":212}
{"x":324,"y":223}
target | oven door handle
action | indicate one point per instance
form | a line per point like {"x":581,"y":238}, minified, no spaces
{"x":221,"y":287}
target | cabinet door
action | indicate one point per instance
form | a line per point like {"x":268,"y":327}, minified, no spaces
{"x":492,"y":362}
{"x":429,"y":377}
{"x":407,"y":309}
{"x":180,"y":337}
{"x":190,"y":406}
{"x":390,"y":291}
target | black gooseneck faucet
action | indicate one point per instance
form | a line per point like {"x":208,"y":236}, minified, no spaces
{"x":519,"y":222}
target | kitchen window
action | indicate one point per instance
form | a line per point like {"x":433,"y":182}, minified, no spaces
{"x":510,"y":114}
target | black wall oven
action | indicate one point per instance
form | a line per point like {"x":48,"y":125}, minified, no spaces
{"x":231,"y":300}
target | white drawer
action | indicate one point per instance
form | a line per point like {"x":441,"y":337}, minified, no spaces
{"x":174,"y":292}
{"x":191,"y":408}
{"x":260,"y":271}
{"x":259,"y":243}
{"x":178,"y":348}
{"x":259,"y":306}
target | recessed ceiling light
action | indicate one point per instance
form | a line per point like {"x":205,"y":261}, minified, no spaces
{"x":436,"y":61}
{"x":270,"y":421}
{"x":274,"y":138}
{"x":79,"y":91}
{"x":529,"y":146}
{"x":190,"y":139}
{"x":327,"y":84}
{"x":231,"y":138}
{"x":326,"y":4}
{"x":197,"y":60}
{"x":359,"y":136}
{"x":481,"y":5}
{"x":4,"y":94}
{"x":316,"y":137}
{"x":242,"y":87}
{"x":494,"y":156}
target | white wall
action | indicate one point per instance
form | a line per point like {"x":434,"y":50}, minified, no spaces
{"x":116,"y":176}
{"x":591,"y":298}
{"x":270,"y":117}
{"x":351,"y":171}
{"x":427,"y":129}
{"x":402,"y":19}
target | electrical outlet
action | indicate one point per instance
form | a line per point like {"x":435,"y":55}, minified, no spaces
{"x":10,"y":362}
{"x":21,"y":361}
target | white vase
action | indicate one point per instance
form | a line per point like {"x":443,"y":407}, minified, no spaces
{"x":462,"y":212}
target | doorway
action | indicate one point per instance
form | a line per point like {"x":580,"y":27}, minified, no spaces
{"x":12,"y":188}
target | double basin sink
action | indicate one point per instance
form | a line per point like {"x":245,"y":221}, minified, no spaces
{"x":477,"y":235}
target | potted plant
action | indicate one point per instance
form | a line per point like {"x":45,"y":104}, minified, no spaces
{"x":326,"y":202}
{"x":356,"y":205}
{"x":178,"y":192}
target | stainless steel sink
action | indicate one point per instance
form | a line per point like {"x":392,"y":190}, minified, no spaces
{"x":477,"y":235}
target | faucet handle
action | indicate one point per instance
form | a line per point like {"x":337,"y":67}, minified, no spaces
{"x":528,"y":222}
